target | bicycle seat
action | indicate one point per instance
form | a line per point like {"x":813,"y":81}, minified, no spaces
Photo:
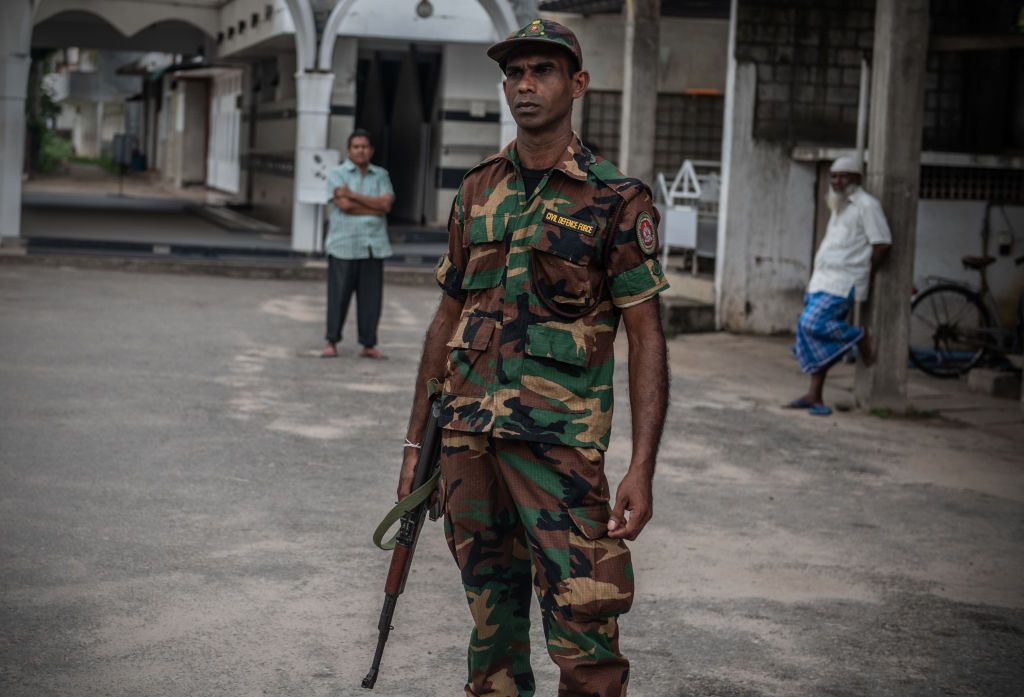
{"x":977,"y":263}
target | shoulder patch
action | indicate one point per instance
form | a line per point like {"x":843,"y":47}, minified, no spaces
{"x":646,"y":234}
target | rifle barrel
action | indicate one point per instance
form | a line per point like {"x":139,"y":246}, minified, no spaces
{"x":387,"y":613}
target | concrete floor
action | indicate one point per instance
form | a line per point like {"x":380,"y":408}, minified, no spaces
{"x":187,"y":496}
{"x":107,"y":218}
{"x":80,"y":179}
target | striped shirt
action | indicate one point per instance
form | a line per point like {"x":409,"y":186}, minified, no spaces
{"x":358,"y":236}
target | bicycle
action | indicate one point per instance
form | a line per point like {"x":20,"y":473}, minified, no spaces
{"x":954,"y":326}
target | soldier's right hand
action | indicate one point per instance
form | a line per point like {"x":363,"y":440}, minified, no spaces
{"x":405,"y":478}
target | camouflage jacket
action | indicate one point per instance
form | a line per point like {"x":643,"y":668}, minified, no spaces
{"x":542,"y":282}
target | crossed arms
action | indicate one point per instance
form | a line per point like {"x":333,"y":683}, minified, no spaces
{"x":352,"y":203}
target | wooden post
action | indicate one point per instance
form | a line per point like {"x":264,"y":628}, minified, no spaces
{"x":639,"y":88}
{"x":893,"y":175}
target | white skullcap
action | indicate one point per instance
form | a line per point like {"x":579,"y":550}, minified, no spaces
{"x":847,"y":164}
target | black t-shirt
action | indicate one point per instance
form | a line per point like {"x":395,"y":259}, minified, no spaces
{"x":531,"y":178}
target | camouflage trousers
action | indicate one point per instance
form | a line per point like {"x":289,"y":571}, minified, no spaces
{"x":516,"y":509}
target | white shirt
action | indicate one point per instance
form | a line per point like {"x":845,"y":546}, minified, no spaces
{"x":843,"y":260}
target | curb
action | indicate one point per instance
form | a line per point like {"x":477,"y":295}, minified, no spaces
{"x":289,"y":270}
{"x":687,"y":316}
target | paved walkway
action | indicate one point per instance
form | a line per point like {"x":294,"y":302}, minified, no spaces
{"x":88,"y":205}
{"x":97,"y":218}
{"x":187,"y":496}
{"x":86,"y":179}
{"x":766,"y":363}
{"x":82,"y":213}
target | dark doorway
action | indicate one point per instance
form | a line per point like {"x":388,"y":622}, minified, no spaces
{"x":396,"y":92}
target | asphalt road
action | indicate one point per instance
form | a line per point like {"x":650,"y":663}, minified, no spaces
{"x":187,"y":495}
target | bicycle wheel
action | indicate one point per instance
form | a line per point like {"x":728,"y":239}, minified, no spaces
{"x":949,"y":326}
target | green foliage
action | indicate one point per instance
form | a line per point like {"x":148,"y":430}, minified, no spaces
{"x":104,"y":162}
{"x":47,"y":150}
{"x":53,"y":151}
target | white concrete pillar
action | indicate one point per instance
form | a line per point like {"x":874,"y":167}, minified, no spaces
{"x":893,"y":175}
{"x":15,"y":58}
{"x":737,"y":125}
{"x":313,"y":107}
{"x":639,"y":89}
{"x":508,"y":129}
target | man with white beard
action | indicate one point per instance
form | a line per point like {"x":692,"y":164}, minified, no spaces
{"x":856,"y":242}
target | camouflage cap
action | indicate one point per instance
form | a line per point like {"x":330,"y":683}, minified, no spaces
{"x":545,"y":30}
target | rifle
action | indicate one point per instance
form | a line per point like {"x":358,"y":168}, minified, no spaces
{"x":412,"y":510}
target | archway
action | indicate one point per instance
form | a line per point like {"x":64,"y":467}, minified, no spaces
{"x":129,"y":18}
{"x":314,"y":82}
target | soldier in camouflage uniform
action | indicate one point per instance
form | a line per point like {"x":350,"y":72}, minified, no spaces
{"x":549,"y":246}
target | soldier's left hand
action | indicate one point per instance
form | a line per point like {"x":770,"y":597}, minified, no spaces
{"x":633,"y":495}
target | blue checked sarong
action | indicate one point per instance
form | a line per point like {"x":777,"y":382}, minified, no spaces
{"x":822,"y":334}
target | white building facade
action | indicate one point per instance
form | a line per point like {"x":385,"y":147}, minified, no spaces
{"x":254,"y":92}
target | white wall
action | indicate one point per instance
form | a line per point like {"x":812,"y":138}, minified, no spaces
{"x":81,"y":119}
{"x":93,"y":102}
{"x":280,"y":23}
{"x":766,"y":232}
{"x":452,"y":21}
{"x":112,"y":124}
{"x":948,"y":230}
{"x":273,"y":191}
{"x":766,"y":225}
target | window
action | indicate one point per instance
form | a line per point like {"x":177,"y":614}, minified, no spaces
{"x":602,"y":114}
{"x":1003,"y":185}
{"x":688,"y":126}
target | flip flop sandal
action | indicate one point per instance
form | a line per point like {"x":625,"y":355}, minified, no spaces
{"x":798,"y":403}
{"x":819,"y":410}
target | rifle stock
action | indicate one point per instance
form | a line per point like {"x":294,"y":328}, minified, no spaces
{"x":408,"y":535}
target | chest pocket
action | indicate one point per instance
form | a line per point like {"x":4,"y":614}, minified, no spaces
{"x":485,"y":237}
{"x":845,"y":232}
{"x":565,"y":269}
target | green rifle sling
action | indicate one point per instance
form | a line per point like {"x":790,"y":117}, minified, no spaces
{"x":401,"y":508}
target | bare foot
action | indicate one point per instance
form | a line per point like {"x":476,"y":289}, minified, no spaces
{"x":372,"y":353}
{"x":330,"y":351}
{"x":868,"y":348}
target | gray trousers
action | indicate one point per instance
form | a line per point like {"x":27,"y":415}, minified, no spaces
{"x":364,"y":277}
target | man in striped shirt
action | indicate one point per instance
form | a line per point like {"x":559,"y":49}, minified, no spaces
{"x":357,"y":244}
